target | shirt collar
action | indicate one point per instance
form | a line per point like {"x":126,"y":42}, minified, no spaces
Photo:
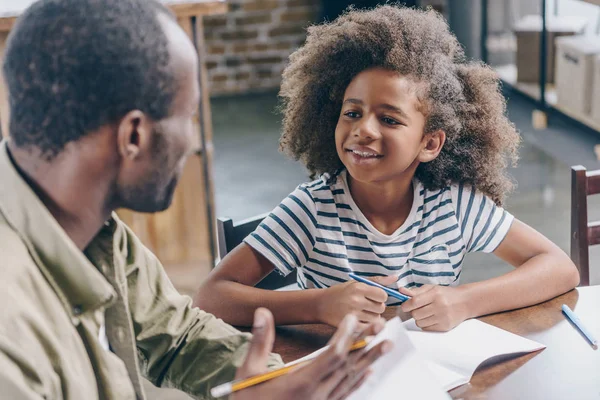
{"x":77,"y":282}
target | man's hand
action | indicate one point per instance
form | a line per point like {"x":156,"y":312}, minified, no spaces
{"x":364,"y":301}
{"x":333,"y":375}
{"x":436,"y":308}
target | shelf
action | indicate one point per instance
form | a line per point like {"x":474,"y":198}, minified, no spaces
{"x":508,"y":75}
{"x":584,"y":119}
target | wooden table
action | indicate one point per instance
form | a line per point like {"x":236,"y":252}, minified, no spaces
{"x":183,"y":237}
{"x":567,"y":369}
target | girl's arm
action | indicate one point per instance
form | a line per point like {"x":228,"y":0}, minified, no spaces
{"x":543,"y":271}
{"x":229,"y":294}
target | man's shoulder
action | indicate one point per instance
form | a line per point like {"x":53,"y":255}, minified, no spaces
{"x":22,"y":281}
{"x":14,"y":252}
{"x":128,"y":242}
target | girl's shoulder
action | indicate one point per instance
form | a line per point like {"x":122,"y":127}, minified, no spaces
{"x":327,"y":185}
{"x":453,"y":190}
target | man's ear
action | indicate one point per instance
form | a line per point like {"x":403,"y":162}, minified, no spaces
{"x":432,"y":145}
{"x":134,"y":135}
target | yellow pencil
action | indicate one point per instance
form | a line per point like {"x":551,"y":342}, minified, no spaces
{"x":234,"y":386}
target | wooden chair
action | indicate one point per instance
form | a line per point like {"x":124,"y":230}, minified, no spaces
{"x":229,"y":235}
{"x":583,"y":233}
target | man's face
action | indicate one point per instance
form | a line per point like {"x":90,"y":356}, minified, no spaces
{"x":150,"y":181}
{"x":171,"y":145}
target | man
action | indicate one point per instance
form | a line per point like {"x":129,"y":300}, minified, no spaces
{"x":103,"y":94}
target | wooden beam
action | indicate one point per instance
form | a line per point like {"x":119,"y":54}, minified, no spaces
{"x":181,"y":8}
{"x":594,"y":233}
{"x":593,"y":182}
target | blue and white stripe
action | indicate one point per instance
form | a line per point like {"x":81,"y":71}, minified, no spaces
{"x":319,"y":230}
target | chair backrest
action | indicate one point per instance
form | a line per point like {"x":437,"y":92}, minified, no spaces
{"x":230,"y":235}
{"x":583,"y":233}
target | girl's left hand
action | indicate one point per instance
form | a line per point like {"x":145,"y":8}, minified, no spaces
{"x":436,"y":308}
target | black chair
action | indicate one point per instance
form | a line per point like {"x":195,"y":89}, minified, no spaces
{"x":229,"y":235}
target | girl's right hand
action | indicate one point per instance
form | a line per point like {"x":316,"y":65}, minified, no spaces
{"x":365,"y":301}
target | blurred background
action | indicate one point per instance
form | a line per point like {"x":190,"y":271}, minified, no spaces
{"x":248,"y":49}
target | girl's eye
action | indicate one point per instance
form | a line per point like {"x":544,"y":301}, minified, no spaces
{"x":352,"y":114}
{"x":390,"y":121}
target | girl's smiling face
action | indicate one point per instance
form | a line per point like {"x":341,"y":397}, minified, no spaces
{"x":380,"y":133}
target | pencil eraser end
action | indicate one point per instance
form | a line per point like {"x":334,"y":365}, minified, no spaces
{"x":221,"y":390}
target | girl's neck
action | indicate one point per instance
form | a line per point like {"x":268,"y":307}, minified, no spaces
{"x":385,"y":204}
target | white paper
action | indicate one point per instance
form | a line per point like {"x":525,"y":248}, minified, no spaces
{"x":455,"y":355}
{"x":436,"y":361}
{"x":401,"y":373}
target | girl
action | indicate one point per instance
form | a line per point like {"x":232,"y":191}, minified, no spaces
{"x":411,"y":143}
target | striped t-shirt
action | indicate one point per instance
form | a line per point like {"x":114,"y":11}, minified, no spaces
{"x":319,"y":230}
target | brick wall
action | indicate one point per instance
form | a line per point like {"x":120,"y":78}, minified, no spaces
{"x":248,"y":48}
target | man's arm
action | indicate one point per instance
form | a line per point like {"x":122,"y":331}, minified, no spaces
{"x":178,"y":346}
{"x":18,"y":378}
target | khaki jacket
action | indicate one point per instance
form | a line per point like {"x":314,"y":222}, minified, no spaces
{"x":56,"y":300}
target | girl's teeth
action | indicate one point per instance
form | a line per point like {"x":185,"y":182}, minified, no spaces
{"x":363,"y":154}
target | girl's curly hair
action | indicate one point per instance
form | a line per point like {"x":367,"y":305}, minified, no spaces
{"x":458,"y":96}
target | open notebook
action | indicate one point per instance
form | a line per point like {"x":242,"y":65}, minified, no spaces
{"x":451,"y":357}
{"x":401,"y":372}
{"x":454,"y":356}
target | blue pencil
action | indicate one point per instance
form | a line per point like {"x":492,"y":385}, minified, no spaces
{"x":389,"y":291}
{"x":577,"y":322}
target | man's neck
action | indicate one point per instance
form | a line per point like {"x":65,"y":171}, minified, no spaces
{"x":70,"y":188}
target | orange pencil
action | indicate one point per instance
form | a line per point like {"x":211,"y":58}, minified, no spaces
{"x":230,"y":387}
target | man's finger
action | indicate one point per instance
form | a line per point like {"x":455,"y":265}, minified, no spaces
{"x":263,"y":336}
{"x":357,"y":367}
{"x":336,"y":354}
{"x":358,"y":384}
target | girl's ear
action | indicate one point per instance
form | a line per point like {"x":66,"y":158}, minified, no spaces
{"x":432,"y":145}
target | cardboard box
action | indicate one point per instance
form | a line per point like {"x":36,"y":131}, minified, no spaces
{"x":575,"y":59}
{"x":528,"y":32}
{"x":596,"y":91}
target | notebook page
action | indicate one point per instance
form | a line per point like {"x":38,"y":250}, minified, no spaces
{"x":464,"y":348}
{"x":446,"y":378}
{"x":401,"y":373}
